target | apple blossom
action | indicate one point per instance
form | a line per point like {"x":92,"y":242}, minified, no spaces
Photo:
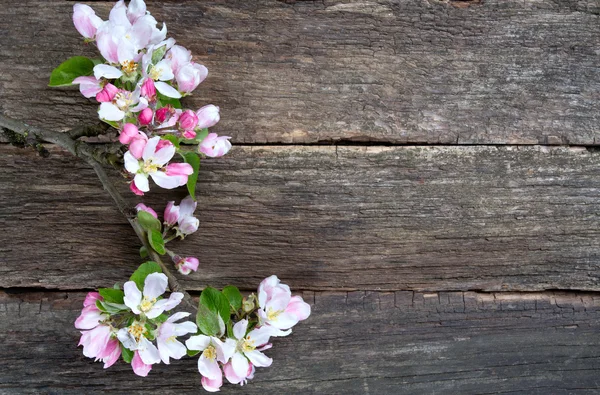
{"x":171,"y":214}
{"x":168,"y":345}
{"x":146,"y":302}
{"x":232,"y":376}
{"x":107,"y":94}
{"x":124,"y":102}
{"x":214,"y":145}
{"x":85,"y":20}
{"x":189,"y":76}
{"x":145,"y":116}
{"x":138,"y":366}
{"x":278,"y":308}
{"x":178,"y":56}
{"x":246,"y":349}
{"x":187,"y":223}
{"x":188,"y":120}
{"x":213,"y":351}
{"x":213,"y":385}
{"x":95,"y":341}
{"x":148,"y":90}
{"x":186,"y":265}
{"x":143,"y":207}
{"x":208,"y":116}
{"x":88,"y":86}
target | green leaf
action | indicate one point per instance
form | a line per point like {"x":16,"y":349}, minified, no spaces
{"x":97,"y":61}
{"x":161,"y":318}
{"x":143,"y":252}
{"x":70,"y":69}
{"x":234,"y":296}
{"x":230,"y":330}
{"x":172,"y":138}
{"x":126,"y":354}
{"x":207,"y":321}
{"x":192,"y":353}
{"x":216,"y":302}
{"x":112,"y":295}
{"x":139,"y":276}
{"x":147,"y":221}
{"x":164,"y":101}
{"x":158,"y":54}
{"x":156,"y":241}
{"x":194,"y":160}
{"x":111,"y":308}
{"x":111,"y":123}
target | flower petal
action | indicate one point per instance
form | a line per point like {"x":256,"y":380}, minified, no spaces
{"x":167,"y":90}
{"x":162,"y":156}
{"x":168,"y":182}
{"x":239,"y":329}
{"x":106,"y":71}
{"x":141,"y":182}
{"x":209,"y":367}
{"x":132,"y":165}
{"x":110,"y":112}
{"x":133,"y":296}
{"x":148,"y":351}
{"x":150,"y":148}
{"x":155,"y":285}
{"x":199,"y":342}
{"x":240,"y":365}
{"x":258,"y":358}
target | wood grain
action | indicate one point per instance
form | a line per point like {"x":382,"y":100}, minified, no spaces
{"x":354,"y":343}
{"x":419,"y":71}
{"x":324,"y":218}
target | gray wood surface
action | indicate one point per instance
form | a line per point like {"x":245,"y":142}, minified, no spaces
{"x":354,"y":343}
{"x":325,"y":218}
{"x":420,"y":71}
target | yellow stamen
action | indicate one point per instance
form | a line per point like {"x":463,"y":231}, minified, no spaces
{"x":272,"y":315}
{"x":137,"y":330}
{"x":248,"y":344}
{"x":210,"y":353}
{"x":147,"y":304}
{"x":128,"y":66}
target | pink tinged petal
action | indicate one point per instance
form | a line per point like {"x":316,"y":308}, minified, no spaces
{"x":107,"y":46}
{"x":143,"y":207}
{"x":128,"y":133}
{"x":88,"y":86}
{"x":107,"y":94}
{"x":178,"y":56}
{"x":230,"y":374}
{"x":133,"y":296}
{"x":187,"y":265}
{"x":141,"y":182}
{"x":185,"y":327}
{"x":126,"y":51}
{"x":187,"y":207}
{"x":260,"y":335}
{"x":259,"y":359}
{"x":173,"y":349}
{"x":150,"y":148}
{"x":132,"y":164}
{"x":298,"y":307}
{"x":148,"y":351}
{"x":240,"y":364}
{"x":145,"y":116}
{"x":239,"y":329}
{"x":110,"y":112}
{"x":148,"y":88}
{"x":265,"y":347}
{"x":118,"y":14}
{"x":90,"y":317}
{"x":155,"y":285}
{"x":171,"y":213}
{"x":163,"y":154}
{"x":113,"y":353}
{"x":135,"y":190}
{"x":174,"y":299}
{"x":178,"y":316}
{"x":189,"y":77}
{"x":279,"y":300}
{"x":227,"y":350}
{"x":85,"y":20}
{"x":275,"y":333}
{"x":168,"y":182}
{"x":136,"y":9}
{"x":167,"y":90}
{"x":208,"y":116}
{"x":188,"y":225}
{"x":137,"y":146}
{"x":106,"y":71}
{"x":139,"y":367}
{"x":97,"y":340}
{"x":199,"y":342}
{"x":188,"y":120}
{"x":143,"y":104}
{"x":208,"y":368}
{"x":179,"y":169}
{"x":189,"y":134}
{"x":91,"y":298}
{"x":212,"y":385}
{"x":284,"y":321}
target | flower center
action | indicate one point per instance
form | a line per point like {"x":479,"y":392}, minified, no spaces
{"x":210,"y":353}
{"x":155,"y":73}
{"x":273,"y":314}
{"x":137,"y":330}
{"x":123,"y":100}
{"x":248,"y":344}
{"x":128,"y":66}
{"x":147,"y":304}
{"x":150,"y":167}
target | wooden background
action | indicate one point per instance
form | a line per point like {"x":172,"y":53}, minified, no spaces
{"x":424,"y":172}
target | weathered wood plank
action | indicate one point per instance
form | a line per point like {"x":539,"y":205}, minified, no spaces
{"x":325,"y":218}
{"x":354,"y":343}
{"x":398,"y":71}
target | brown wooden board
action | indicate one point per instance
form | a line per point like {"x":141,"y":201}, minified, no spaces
{"x":324,"y":218}
{"x":426,"y":71}
{"x":354,"y":343}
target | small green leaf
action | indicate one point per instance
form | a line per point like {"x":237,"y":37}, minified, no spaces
{"x":192,"y":353}
{"x":194,"y":160}
{"x":143,"y":252}
{"x":234,"y":296}
{"x":216,"y":302}
{"x":230,"y":330}
{"x":112,"y":295}
{"x":97,"y":61}
{"x":111,"y":308}
{"x":70,"y":69}
{"x":164,"y":101}
{"x":172,"y":138}
{"x":161,"y":318}
{"x":158,"y":54}
{"x":147,"y":221}
{"x":139,"y":276}
{"x":207,"y":321}
{"x":126,"y":354}
{"x":156,"y":241}
{"x":116,"y":286}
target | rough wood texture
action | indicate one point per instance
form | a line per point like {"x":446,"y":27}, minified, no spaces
{"x":354,"y":343}
{"x":325,"y":218}
{"x":305,"y":71}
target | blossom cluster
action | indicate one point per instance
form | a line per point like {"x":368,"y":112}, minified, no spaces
{"x":138,"y":83}
{"x":133,"y":323}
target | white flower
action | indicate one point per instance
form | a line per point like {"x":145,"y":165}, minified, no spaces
{"x":146,"y":302}
{"x":168,"y":345}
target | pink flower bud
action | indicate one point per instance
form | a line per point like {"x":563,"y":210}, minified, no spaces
{"x":137,"y":145}
{"x":189,"y":76}
{"x":178,"y":56}
{"x":143,"y":207}
{"x":107,"y":94}
{"x":189,"y":134}
{"x":215,"y":146}
{"x":186,"y":265}
{"x":148,"y":90}
{"x":135,"y":189}
{"x":91,"y":298}
{"x":85,"y":20}
{"x":179,"y":169}
{"x":171,"y":214}
{"x":129,"y":132}
{"x":162,"y":144}
{"x":188,"y":120}
{"x":188,"y":225}
{"x":208,"y":116}
{"x":145,"y":116}
{"x":162,"y":114}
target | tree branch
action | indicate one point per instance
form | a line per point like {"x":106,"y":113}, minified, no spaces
{"x":93,"y":156}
